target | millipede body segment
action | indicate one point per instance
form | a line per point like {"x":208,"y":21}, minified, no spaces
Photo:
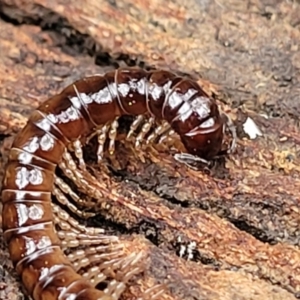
{"x":162,"y":103}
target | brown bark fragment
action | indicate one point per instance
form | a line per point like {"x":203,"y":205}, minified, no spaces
{"x":240,"y":222}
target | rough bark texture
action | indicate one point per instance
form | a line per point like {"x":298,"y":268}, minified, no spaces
{"x":244,"y":216}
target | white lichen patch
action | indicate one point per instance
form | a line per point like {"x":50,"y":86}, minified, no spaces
{"x":251,"y":129}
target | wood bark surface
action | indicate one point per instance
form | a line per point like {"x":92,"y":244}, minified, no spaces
{"x":242,"y":219}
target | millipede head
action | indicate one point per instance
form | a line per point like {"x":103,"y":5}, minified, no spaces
{"x":205,"y":142}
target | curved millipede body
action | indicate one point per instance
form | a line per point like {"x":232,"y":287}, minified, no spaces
{"x":162,"y":102}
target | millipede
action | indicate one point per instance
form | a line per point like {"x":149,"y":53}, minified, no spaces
{"x":161,"y":103}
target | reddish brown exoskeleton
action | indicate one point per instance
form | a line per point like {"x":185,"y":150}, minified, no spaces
{"x":162,"y":102}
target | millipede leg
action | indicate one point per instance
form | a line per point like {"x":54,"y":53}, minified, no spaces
{"x":159,"y":130}
{"x":130,"y":266}
{"x":83,"y":180}
{"x":79,"y":154}
{"x":134,"y":126}
{"x":102,"y":136}
{"x":96,"y":254}
{"x":166,"y":135}
{"x":192,"y":161}
{"x":79,"y":177}
{"x":70,"y":169}
{"x":105,"y":262}
{"x":154,"y":292}
{"x":65,"y":188}
{"x":81,"y":183}
{"x":115,"y":289}
{"x":145,"y":129}
{"x":112,"y":264}
{"x":75,"y":239}
{"x":62,"y":199}
{"x":67,"y":165}
{"x":112,"y":134}
{"x":67,"y":223}
{"x":94,"y":275}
